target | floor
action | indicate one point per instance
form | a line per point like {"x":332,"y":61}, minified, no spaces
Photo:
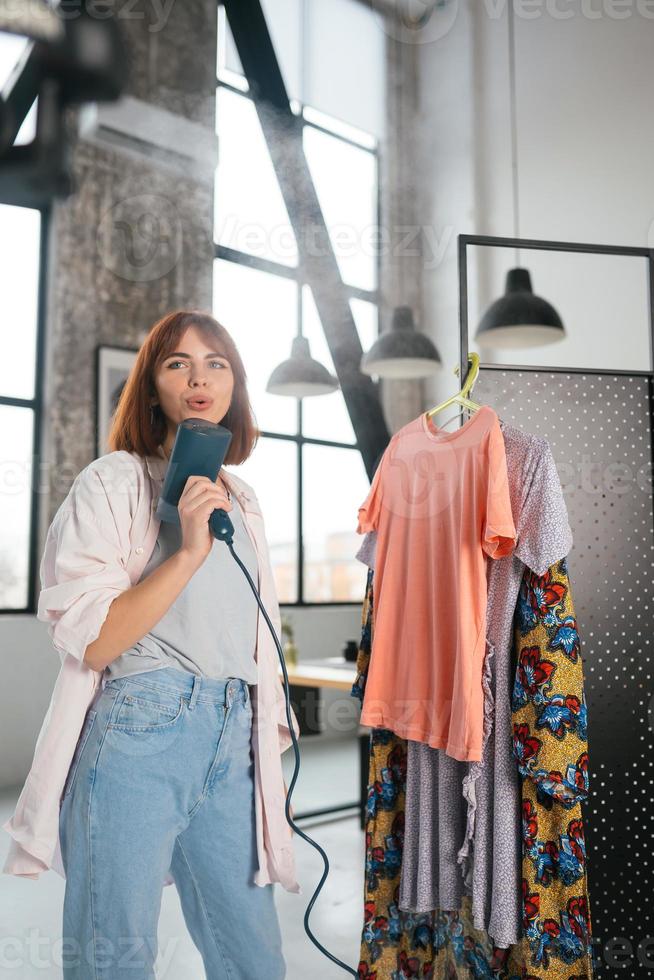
{"x":30,"y":911}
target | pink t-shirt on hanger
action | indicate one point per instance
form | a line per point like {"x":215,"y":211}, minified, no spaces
{"x":439,"y":502}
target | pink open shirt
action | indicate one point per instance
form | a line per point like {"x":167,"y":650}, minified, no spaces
{"x":98,"y":544}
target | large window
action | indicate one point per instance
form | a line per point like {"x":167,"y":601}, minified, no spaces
{"x":21,"y":236}
{"x":306,"y":469}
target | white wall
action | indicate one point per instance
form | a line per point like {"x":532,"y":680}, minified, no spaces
{"x":29,"y":669}
{"x":585,"y":146}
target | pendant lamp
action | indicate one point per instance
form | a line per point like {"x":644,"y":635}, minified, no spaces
{"x":519,"y":318}
{"x":301,"y":376}
{"x":402,"y":351}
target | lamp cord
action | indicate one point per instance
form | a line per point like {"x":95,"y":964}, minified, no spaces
{"x":514,"y":130}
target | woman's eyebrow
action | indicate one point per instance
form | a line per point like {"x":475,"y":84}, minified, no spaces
{"x":179,"y":353}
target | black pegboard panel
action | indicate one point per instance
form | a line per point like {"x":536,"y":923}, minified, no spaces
{"x":599,"y":426}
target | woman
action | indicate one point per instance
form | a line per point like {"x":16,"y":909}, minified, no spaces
{"x":164,"y":784}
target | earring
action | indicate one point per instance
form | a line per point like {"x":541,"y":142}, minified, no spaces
{"x":151,"y":416}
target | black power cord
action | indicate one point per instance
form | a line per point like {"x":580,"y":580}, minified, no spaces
{"x":334,"y":959}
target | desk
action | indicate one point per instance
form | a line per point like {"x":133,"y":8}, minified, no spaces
{"x":336,"y":674}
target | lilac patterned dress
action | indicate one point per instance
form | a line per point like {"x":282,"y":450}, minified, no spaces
{"x":462,"y":831}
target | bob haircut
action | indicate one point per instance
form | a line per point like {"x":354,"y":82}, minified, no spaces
{"x":134,"y":429}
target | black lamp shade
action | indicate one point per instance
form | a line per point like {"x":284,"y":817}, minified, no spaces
{"x":402,"y":351}
{"x":519,"y":318}
{"x":301,"y":376}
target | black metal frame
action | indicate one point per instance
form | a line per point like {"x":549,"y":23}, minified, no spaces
{"x":18,"y":104}
{"x":36,"y":405}
{"x":554,"y":246}
{"x":600,"y":944}
{"x":546,"y":246}
{"x":331,"y":294}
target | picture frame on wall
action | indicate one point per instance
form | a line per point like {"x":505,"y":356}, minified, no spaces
{"x":112,"y":367}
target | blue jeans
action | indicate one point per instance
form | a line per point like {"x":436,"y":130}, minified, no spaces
{"x":162,"y":782}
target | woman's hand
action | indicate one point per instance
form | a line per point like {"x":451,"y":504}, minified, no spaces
{"x":198,"y":500}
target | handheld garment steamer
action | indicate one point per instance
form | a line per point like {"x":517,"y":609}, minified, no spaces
{"x":199,"y":450}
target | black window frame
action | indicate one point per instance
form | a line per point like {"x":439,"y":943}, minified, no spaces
{"x":353,"y":292}
{"x":36,"y":406}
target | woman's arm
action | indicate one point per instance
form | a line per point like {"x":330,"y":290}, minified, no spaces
{"x":135,"y":611}
{"x":93,"y":611}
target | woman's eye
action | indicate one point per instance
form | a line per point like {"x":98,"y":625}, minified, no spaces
{"x":219,"y":363}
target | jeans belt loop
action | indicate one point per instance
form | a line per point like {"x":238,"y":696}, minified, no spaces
{"x":195,"y":692}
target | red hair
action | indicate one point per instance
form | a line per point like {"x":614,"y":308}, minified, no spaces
{"x":132,"y":428}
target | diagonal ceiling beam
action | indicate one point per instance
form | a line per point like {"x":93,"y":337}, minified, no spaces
{"x":20,"y":92}
{"x":318,"y":266}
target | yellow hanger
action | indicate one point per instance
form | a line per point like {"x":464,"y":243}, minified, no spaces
{"x":460,"y":398}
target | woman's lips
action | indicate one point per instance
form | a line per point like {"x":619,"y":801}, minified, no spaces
{"x":200,"y":406}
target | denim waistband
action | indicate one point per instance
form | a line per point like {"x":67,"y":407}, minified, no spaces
{"x":214,"y":690}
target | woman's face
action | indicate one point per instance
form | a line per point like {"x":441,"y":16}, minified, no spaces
{"x":195,"y":370}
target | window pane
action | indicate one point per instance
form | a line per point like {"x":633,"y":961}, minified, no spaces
{"x":16,"y":425}
{"x":323,"y":416}
{"x":12,"y":47}
{"x":27,"y":131}
{"x":339,"y":128}
{"x":349,"y":34}
{"x":249,"y":210}
{"x":335,"y":31}
{"x":259,"y":311}
{"x":284,"y":22}
{"x":271,"y":471}
{"x":366,"y":317}
{"x":345,"y":177}
{"x":19,"y":285}
{"x":326,"y":416}
{"x":335,"y":485}
{"x":228,"y":63}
